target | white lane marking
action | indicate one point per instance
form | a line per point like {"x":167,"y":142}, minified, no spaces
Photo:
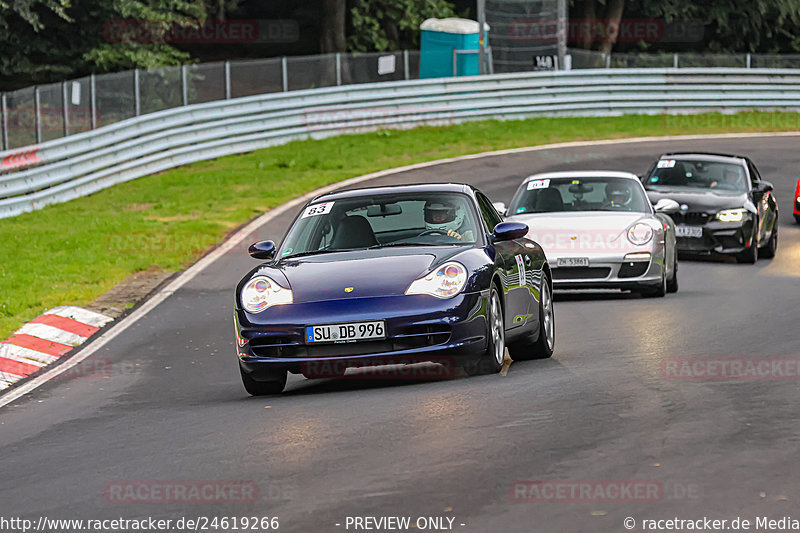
{"x":8,"y":354}
{"x":49,"y":333}
{"x":9,"y":378}
{"x":190,"y":273}
{"x":81,"y":315}
{"x":26,"y":355}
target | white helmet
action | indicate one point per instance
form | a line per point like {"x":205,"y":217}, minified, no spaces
{"x":443,"y":216}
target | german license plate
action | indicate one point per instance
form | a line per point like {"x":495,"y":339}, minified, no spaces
{"x":572,"y":262}
{"x":349,"y":332}
{"x":683,"y":230}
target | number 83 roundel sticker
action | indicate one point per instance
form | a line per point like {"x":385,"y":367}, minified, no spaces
{"x":318,"y":209}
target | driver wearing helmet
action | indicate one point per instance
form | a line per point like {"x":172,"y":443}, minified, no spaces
{"x":446,"y":218}
{"x":617,"y":196}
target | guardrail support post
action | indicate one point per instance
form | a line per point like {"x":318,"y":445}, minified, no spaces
{"x":455,"y":63}
{"x":185,"y":84}
{"x":37,"y":108}
{"x":338,"y":68}
{"x":675,"y":60}
{"x":65,"y":107}
{"x":285,"y":73}
{"x":405,"y":65}
{"x":608,"y":60}
{"x":93,"y":101}
{"x":748,"y":59}
{"x":4,"y":109}
{"x":227,"y":80}
{"x":137,"y":104}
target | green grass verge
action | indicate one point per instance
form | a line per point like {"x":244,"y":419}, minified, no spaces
{"x":69,"y":254}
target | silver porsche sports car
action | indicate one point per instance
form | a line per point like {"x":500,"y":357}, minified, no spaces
{"x":599,"y":231}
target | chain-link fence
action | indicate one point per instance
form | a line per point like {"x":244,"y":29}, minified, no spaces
{"x":36,"y":114}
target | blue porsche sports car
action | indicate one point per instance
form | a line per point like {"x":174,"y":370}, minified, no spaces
{"x":390,"y":275}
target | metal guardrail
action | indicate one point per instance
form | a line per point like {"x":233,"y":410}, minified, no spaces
{"x":70,"y":167}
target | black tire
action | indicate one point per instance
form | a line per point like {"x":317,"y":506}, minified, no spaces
{"x":275,"y":385}
{"x":545,"y":343}
{"x":749,"y":256}
{"x":657,"y":291}
{"x":772,"y":245}
{"x":672,"y":283}
{"x":492,"y":360}
{"x":797,"y":218}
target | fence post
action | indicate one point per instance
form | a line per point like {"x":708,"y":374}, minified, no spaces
{"x":748,"y":59}
{"x":338,"y":68}
{"x":675,"y":60}
{"x":93,"y":101}
{"x":406,"y":72}
{"x":65,"y":107}
{"x":4,"y":109}
{"x":137,"y":104}
{"x":608,"y":60}
{"x":284,"y":73}
{"x":185,"y":84}
{"x":227,"y":80}
{"x":455,"y":63}
{"x":37,"y":109}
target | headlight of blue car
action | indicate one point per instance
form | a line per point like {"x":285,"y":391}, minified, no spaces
{"x":443,"y":282}
{"x":263,"y":292}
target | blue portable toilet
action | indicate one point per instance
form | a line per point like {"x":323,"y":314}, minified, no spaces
{"x":440,"y":37}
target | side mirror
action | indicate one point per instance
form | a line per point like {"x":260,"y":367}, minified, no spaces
{"x":501,"y":207}
{"x":262,"y":250}
{"x":763,"y":187}
{"x":508,"y":231}
{"x":667,"y":206}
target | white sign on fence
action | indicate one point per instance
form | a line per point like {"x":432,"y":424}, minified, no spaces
{"x":386,"y":65}
{"x":76,"y":93}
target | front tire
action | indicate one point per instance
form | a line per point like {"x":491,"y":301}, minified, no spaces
{"x":749,"y":256}
{"x":492,"y":360}
{"x":660,"y":290}
{"x":797,"y":218}
{"x":544,"y":345}
{"x":275,"y":385}
{"x":672,"y":284}
{"x":772,"y":246}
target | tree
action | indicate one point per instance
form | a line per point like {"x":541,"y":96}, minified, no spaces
{"x":392,"y":24}
{"x":332,"y":38}
{"x":49,"y":40}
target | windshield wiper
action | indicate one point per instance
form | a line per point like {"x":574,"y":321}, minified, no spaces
{"x":389,"y":244}
{"x":320,"y":252}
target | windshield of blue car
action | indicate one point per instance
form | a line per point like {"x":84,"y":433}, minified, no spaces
{"x":683,"y":174}
{"x":376,"y":221}
{"x":553,"y":195}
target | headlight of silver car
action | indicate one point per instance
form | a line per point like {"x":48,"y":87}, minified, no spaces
{"x":731,"y":215}
{"x":640,"y":234}
{"x":263,"y":292}
{"x":443,"y":282}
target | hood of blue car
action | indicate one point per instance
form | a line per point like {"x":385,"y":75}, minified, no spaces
{"x":356,"y":274}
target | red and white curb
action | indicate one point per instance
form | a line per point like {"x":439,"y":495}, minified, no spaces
{"x":44,"y":340}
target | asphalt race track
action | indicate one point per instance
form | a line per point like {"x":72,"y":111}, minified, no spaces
{"x":168,"y":403}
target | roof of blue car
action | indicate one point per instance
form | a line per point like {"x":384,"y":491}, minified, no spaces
{"x":394,"y":189}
